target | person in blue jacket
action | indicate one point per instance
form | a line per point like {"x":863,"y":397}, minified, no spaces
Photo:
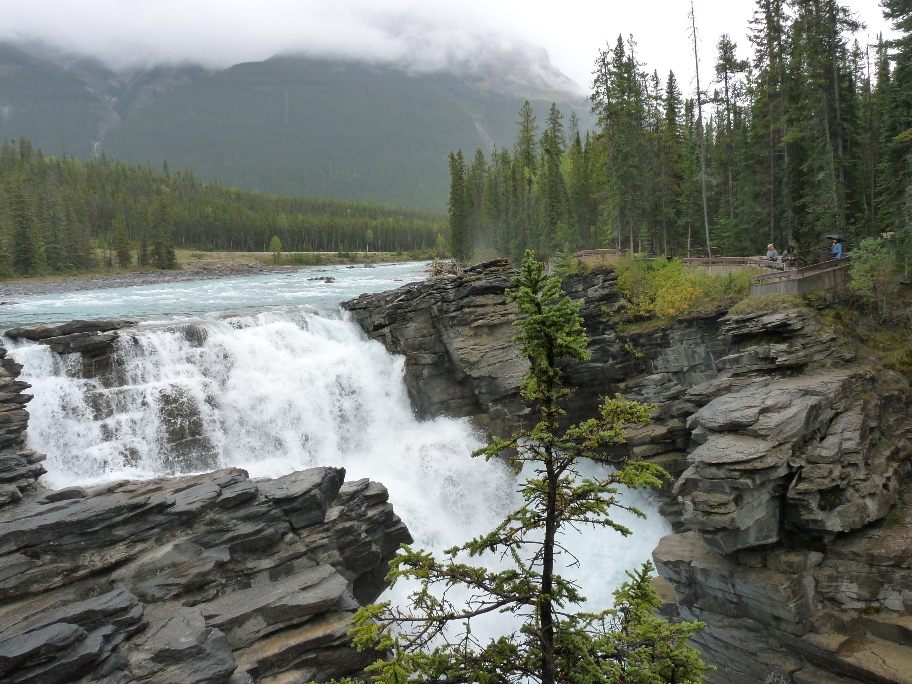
{"x":837,"y":249}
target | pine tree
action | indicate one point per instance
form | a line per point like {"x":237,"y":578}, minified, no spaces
{"x":728,"y":67}
{"x":625,"y":644}
{"x":27,"y":246}
{"x":162,"y":243}
{"x":894,"y":204}
{"x":458,"y":211}
{"x":122,"y":243}
{"x":53,"y":226}
{"x":619,"y":100}
{"x":528,"y":135}
{"x":669,"y":181}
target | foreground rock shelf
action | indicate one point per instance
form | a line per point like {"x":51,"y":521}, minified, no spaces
{"x":211,"y":578}
{"x":788,"y":455}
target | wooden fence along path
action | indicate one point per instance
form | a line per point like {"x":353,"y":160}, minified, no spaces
{"x":773,"y":276}
{"x":827,"y":275}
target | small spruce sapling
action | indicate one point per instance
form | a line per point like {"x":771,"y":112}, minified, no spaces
{"x":431,"y":639}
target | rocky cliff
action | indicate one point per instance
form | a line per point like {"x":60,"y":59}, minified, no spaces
{"x":789,"y":456}
{"x":211,"y":578}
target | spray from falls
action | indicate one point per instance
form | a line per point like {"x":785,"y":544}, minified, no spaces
{"x":281,"y":391}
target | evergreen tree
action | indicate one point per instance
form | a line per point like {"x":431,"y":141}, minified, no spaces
{"x":894,"y":204}
{"x":670,"y":153}
{"x":619,"y":98}
{"x":728,"y":68}
{"x":528,"y":134}
{"x":122,"y":244}
{"x":27,"y":245}
{"x":162,"y":243}
{"x":625,"y":644}
{"x":459,"y":211}
{"x":53,"y":227}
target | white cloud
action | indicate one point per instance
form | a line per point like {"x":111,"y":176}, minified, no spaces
{"x":425,"y":35}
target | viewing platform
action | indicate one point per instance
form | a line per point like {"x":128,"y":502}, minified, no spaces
{"x":827,"y":275}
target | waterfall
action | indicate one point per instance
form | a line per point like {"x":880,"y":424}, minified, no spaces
{"x":279,"y":391}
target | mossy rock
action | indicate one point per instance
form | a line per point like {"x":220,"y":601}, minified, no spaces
{"x":768,"y":303}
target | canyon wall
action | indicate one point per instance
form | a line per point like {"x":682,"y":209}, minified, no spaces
{"x":793,"y":532}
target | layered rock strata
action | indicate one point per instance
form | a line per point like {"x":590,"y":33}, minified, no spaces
{"x":20,"y":467}
{"x":93,"y":340}
{"x":212,"y":578}
{"x":787,"y":456}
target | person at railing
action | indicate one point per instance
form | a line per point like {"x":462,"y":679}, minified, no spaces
{"x":771,"y":253}
{"x":789,"y":257}
{"x":837,"y":249}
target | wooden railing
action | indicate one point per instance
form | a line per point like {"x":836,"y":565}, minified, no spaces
{"x":791,"y":274}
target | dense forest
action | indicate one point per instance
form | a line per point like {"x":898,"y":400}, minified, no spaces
{"x":811,"y":136}
{"x":56,"y":213}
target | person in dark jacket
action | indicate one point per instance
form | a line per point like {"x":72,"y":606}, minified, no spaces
{"x":789,"y":257}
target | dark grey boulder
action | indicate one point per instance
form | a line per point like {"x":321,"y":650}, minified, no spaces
{"x":46,"y":331}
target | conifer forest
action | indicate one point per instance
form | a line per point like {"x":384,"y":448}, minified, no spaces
{"x":810,"y":136}
{"x":61,"y":215}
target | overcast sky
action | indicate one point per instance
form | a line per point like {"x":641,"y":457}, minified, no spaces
{"x":422,"y":32}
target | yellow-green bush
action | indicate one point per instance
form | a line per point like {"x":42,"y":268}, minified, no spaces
{"x":668,"y":287}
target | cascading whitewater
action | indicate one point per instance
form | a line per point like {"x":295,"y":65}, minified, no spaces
{"x":281,"y":391}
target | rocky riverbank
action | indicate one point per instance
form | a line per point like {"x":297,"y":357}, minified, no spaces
{"x":206,"y":579}
{"x":793,"y":533}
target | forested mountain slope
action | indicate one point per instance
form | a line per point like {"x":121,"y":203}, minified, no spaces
{"x":350,"y":130}
{"x":56,"y":212}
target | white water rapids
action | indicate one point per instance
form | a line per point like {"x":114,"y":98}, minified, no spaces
{"x":279,"y":391}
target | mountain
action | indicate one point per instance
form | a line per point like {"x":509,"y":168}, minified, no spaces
{"x":288,"y":125}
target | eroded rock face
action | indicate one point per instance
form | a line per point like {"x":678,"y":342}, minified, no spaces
{"x":210,"y":578}
{"x":20,"y":467}
{"x":786,"y":452}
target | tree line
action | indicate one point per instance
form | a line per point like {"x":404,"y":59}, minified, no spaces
{"x":810,"y":136}
{"x":61,"y":215}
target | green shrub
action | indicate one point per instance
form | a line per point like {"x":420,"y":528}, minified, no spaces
{"x":663,"y":287}
{"x":305,"y":259}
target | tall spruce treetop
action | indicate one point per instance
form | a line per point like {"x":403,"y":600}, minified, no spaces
{"x":458,"y":208}
{"x":431,"y":640}
{"x":554,"y":130}
{"x":528,"y":134}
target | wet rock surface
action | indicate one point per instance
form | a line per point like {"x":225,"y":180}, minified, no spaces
{"x":20,"y":467}
{"x":211,"y":578}
{"x":787,"y":455}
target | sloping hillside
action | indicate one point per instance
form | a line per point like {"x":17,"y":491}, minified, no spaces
{"x":349,"y":130}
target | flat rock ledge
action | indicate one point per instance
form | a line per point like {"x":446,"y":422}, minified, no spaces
{"x":211,"y":578}
{"x":94,"y":340}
